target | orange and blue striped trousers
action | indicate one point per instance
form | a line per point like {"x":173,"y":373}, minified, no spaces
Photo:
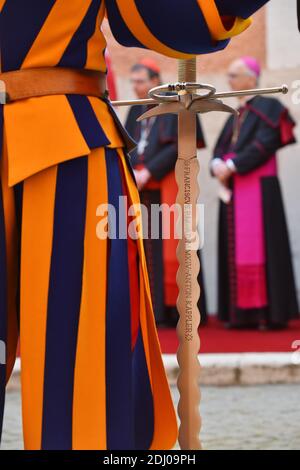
{"x":92,"y":374}
{"x":91,"y":370}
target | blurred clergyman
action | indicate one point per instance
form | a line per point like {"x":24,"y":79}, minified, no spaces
{"x":154,"y":162}
{"x":256,"y":280}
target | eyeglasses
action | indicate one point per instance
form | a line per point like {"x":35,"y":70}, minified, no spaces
{"x":138,"y":81}
{"x":233,"y":76}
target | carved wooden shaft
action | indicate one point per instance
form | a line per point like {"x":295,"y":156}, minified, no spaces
{"x":187,"y":170}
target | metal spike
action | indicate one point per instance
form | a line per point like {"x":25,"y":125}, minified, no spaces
{"x":206,"y":106}
{"x":165,"y":108}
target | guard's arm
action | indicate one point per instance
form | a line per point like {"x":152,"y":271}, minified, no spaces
{"x":177,"y":28}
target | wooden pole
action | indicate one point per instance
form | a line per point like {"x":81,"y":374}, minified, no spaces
{"x":186,"y":171}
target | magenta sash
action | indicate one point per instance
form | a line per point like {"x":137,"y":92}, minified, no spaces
{"x":250,"y":253}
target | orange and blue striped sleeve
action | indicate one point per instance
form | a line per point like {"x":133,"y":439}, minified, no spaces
{"x":179,"y":28}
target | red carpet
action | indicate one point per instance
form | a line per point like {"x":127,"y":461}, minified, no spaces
{"x":215,"y":339}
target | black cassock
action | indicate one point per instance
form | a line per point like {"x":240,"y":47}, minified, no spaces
{"x":158,"y":153}
{"x":255,"y":280}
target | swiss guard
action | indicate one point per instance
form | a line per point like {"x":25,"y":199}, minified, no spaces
{"x":92,"y":372}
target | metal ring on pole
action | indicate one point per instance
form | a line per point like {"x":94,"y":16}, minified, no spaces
{"x":158,"y":93}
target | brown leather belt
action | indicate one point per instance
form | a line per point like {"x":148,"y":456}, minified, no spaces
{"x":29,"y":83}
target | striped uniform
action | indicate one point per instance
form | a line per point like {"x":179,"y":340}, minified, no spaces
{"x":92,"y":374}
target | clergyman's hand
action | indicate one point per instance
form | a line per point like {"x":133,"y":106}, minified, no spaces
{"x":220,"y":169}
{"x":142,"y":177}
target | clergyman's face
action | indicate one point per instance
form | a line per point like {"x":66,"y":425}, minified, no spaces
{"x":239,"y":77}
{"x":142,"y":83}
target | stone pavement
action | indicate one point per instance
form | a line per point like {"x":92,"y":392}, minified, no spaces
{"x":242,"y":368}
{"x":12,"y":435}
{"x":250,"y":417}
{"x":235,"y":417}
